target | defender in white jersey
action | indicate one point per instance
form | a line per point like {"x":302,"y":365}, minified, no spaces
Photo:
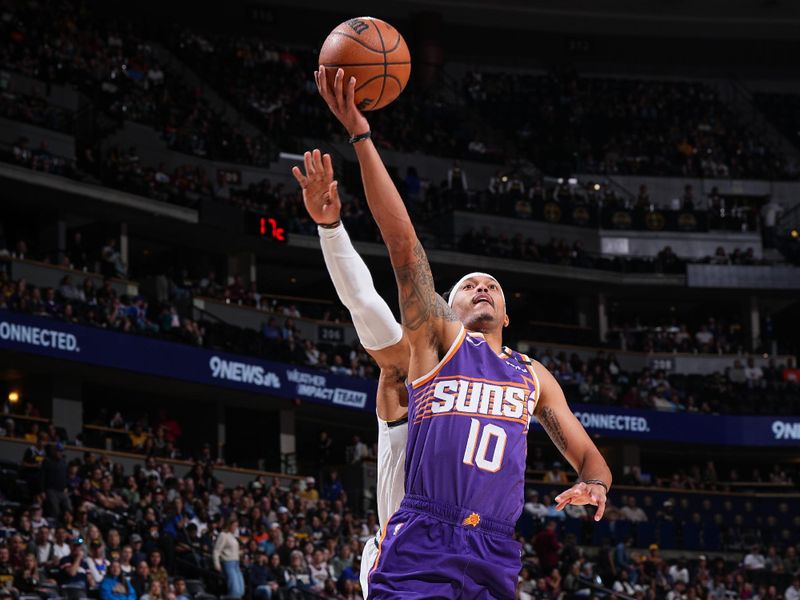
{"x":378,"y":331}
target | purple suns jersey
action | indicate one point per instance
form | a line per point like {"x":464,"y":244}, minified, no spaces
{"x":468,"y":424}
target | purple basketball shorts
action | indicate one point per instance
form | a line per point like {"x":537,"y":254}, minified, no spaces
{"x":434,"y":550}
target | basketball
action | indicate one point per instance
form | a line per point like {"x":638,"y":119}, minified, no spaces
{"x":374,"y":53}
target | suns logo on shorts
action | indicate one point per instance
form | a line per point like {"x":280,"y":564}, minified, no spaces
{"x":473,"y":520}
{"x":397,"y":528}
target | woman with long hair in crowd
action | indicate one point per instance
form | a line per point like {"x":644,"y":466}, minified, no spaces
{"x":226,"y":558}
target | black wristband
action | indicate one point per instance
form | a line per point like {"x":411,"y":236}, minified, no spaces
{"x":360,"y":137}
{"x":333,"y":225}
{"x":596,"y":482}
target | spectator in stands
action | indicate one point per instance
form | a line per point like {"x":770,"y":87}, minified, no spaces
{"x":547,"y":547}
{"x":319,"y":570}
{"x":534,"y":507}
{"x":736,"y":373}
{"x":32,"y":461}
{"x":113,"y":265}
{"x":753,"y":374}
{"x":793,"y":591}
{"x":770,"y":213}
{"x":172,"y":429}
{"x":338,"y":367}
{"x":141,"y":579}
{"x":54,"y":480}
{"x":333,"y":490}
{"x":226,"y":557}
{"x":457,"y":178}
{"x":42,"y":546}
{"x":236,"y":291}
{"x":138,"y":437}
{"x":623,"y":585}
{"x":261,"y":579}
{"x":74,"y":569}
{"x":157,"y":571}
{"x":272,"y":331}
{"x":6,"y":571}
{"x":181,"y":590}
{"x":556,"y":474}
{"x":29,"y":577}
{"x":154,"y":592}
{"x":667,"y":260}
{"x":115,"y":586}
{"x":631,"y":512}
{"x":60,"y":547}
{"x":754,"y":560}
{"x":357,"y":451}
{"x":98,"y":563}
{"x":69,"y":291}
{"x":679,"y":572}
{"x":298,"y":574}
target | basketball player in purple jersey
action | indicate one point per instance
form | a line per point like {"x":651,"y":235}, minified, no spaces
{"x":470,"y":405}
{"x":378,"y":331}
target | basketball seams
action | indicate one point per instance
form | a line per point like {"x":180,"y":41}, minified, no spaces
{"x":385,"y":66}
{"x":342,"y":54}
{"x":374,"y":77}
{"x":355,"y":39}
{"x":375,"y":64}
{"x":396,"y":43}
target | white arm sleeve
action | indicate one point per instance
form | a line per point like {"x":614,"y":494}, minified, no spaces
{"x":375,"y":324}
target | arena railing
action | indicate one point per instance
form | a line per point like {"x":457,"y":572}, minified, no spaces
{"x":43,"y":274}
{"x":250,"y":317}
{"x":16,"y":417}
{"x":319,"y":331}
{"x":60,"y":184}
{"x":14,"y":448}
{"x":790,"y":493}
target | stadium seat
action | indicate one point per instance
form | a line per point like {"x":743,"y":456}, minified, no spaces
{"x":195,"y":587}
{"x":74,"y":592}
{"x":666,"y":534}
{"x":692,"y":537}
{"x":645,"y":534}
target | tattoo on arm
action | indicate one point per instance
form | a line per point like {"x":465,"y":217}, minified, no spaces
{"x":551,"y":425}
{"x":419,"y":302}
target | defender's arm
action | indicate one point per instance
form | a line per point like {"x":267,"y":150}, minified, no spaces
{"x":379,"y":333}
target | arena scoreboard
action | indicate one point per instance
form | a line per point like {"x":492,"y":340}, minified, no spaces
{"x":266,"y":227}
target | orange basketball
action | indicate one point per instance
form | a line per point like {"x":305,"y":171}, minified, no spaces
{"x":374,"y":53}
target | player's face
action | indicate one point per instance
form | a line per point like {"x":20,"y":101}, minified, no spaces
{"x":479,"y":304}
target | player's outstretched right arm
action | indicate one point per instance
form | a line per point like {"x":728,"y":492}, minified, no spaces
{"x":429,"y":322}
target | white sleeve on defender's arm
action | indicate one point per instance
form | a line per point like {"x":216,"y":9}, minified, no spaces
{"x":375,"y":324}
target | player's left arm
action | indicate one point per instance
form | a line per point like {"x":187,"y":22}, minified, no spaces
{"x":571,"y":439}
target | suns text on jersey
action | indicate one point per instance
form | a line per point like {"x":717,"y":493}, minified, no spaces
{"x":478,"y":397}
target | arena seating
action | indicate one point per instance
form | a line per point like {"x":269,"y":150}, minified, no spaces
{"x":621,"y":125}
{"x":138,"y":491}
{"x":640,"y":113}
{"x":782,"y":110}
{"x":312,"y":541}
{"x":601,"y":380}
{"x":35,"y":110}
{"x":120,"y":72}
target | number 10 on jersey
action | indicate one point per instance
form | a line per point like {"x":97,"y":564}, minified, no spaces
{"x":481,"y":438}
